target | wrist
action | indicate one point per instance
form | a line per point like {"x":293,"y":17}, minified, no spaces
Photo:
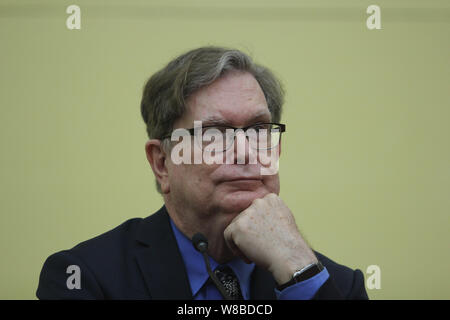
{"x":303,"y":274}
{"x":284,"y":271}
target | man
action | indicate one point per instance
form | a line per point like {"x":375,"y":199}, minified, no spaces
{"x":255,"y":248}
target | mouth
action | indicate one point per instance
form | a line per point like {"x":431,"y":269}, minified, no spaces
{"x":243,"y":179}
{"x":244,"y":183}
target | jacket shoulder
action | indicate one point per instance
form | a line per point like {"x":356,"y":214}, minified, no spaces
{"x":99,"y":260}
{"x":349,"y":282}
{"x":109,"y":242}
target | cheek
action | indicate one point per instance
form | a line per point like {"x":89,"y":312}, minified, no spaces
{"x":192,"y":178}
{"x":272,"y":183}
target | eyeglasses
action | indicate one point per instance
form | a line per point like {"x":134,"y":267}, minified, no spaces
{"x":261,"y":136}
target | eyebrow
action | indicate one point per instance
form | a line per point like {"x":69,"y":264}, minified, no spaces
{"x":213,"y":120}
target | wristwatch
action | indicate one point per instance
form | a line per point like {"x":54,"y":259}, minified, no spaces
{"x":303,"y":274}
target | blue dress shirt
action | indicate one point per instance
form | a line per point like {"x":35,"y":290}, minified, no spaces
{"x":203,"y":290}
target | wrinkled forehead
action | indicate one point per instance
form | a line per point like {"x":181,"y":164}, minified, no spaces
{"x":235,"y":99}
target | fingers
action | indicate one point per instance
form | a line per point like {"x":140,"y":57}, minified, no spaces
{"x":228,"y":235}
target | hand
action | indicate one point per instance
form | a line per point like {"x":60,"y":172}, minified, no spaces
{"x":266,"y":233}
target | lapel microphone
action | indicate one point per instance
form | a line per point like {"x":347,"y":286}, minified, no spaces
{"x":200,"y":243}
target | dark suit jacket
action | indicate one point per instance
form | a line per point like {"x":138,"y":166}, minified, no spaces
{"x":140,"y":259}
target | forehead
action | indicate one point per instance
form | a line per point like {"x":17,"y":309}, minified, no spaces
{"x":235,"y":99}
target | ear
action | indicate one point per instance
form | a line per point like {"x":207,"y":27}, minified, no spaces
{"x":157,"y":159}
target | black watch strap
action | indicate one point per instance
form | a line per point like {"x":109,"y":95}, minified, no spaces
{"x":301,"y":275}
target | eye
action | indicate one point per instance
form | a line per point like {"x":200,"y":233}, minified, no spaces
{"x":212,"y":131}
{"x":261,"y":126}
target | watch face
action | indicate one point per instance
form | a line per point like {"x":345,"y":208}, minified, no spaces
{"x":303,"y":274}
{"x":308,"y":272}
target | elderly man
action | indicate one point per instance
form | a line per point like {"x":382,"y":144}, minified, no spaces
{"x":229,"y":108}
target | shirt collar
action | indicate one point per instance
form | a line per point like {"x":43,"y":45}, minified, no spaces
{"x":196,"y":268}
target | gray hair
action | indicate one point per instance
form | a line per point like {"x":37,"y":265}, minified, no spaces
{"x":165,"y":93}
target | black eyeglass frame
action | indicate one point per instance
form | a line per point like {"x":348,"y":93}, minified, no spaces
{"x":192,"y":130}
{"x":282,"y":128}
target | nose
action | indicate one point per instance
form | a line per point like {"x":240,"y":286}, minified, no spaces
{"x":243,"y":153}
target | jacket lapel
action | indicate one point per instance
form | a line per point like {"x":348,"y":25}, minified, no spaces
{"x":159,"y":259}
{"x":162,"y":266}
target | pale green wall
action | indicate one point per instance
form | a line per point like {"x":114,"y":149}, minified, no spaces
{"x":365,"y":164}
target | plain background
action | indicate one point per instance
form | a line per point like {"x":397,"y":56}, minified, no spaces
{"x":365,"y":163}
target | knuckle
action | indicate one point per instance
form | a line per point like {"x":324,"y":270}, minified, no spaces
{"x":272,"y":196}
{"x":257,"y":201}
{"x":228,"y":231}
{"x":241,"y":225}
